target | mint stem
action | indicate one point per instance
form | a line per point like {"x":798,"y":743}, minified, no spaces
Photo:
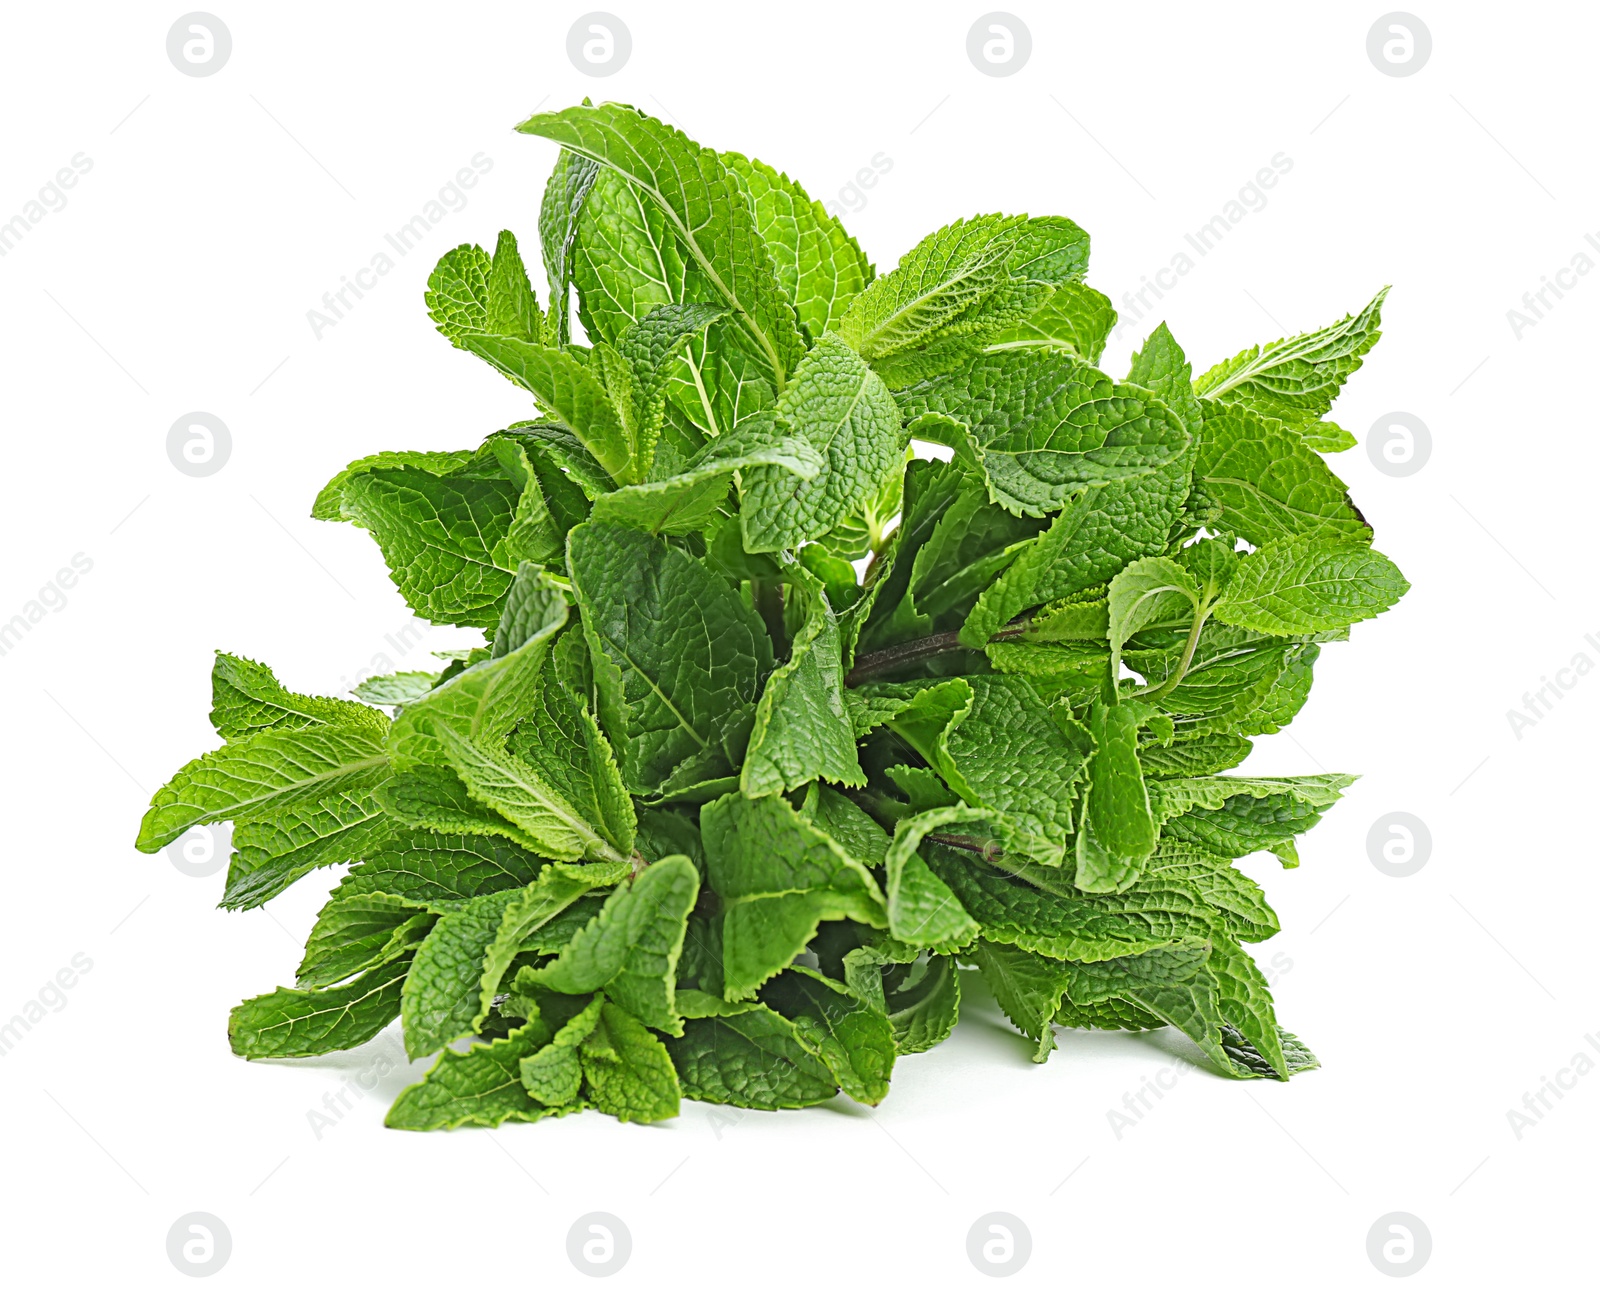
{"x":892,"y":657}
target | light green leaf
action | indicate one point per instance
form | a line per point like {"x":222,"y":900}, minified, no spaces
{"x":482,"y":1086}
{"x":1268,"y":482}
{"x":1310,"y":584}
{"x":1044,"y":425}
{"x":702,"y":205}
{"x":945,"y":274}
{"x":1117,"y":832}
{"x":842,"y":408}
{"x":820,"y":266}
{"x":1296,"y":380}
{"x":631,"y":948}
{"x":299,"y":1024}
{"x":778,"y":877}
{"x":854,"y":1040}
{"x":564,"y":195}
{"x":690,"y":500}
{"x":1076,"y":318}
{"x":746,"y":1055}
{"x":1154,"y":592}
{"x":628,"y":1071}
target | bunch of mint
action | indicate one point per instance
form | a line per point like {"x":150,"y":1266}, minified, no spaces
{"x":779,"y":730}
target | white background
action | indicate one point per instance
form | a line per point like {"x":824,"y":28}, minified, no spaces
{"x":178,"y":278}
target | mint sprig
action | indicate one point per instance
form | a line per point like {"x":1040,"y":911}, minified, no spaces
{"x":715,"y":812}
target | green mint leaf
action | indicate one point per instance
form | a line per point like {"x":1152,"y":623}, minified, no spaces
{"x":442,"y":992}
{"x":482,"y":1086}
{"x":627,"y":1070}
{"x":283,"y":773}
{"x":1296,"y":380}
{"x":920,"y":993}
{"x":801,"y":730}
{"x":1117,"y":831}
{"x":1045,"y":426}
{"x":842,"y":408}
{"x":568,"y":391}
{"x":1076,"y":318}
{"x":678,"y":656}
{"x":923,"y":911}
{"x":435,"y":798}
{"x":945,"y":274}
{"x":484,"y":702}
{"x":328,"y":828}
{"x":397,"y":689}
{"x":440,"y":537}
{"x":778,"y":876}
{"x":1027,"y":987}
{"x":631,"y":948}
{"x":440,"y":872}
{"x":557,"y":889}
{"x":703,"y":207}
{"x":691,"y":499}
{"x":353,"y":934}
{"x":820,"y":266}
{"x":246,"y":697}
{"x":746,"y":1055}
{"x":564,"y":195}
{"x":976,"y":732}
{"x":300,"y":1024}
{"x":1268,"y":483}
{"x":1153,"y":592}
{"x":1310,"y":585}
{"x":854,"y":1041}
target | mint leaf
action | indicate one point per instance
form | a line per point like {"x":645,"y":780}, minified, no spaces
{"x":853,"y":1040}
{"x":801,"y":731}
{"x":627,"y":1070}
{"x":840,"y":407}
{"x":301,"y":1023}
{"x":678,"y":657}
{"x":1117,"y":831}
{"x":1027,"y":987}
{"x":353,"y":934}
{"x":703,"y":207}
{"x":944,"y":275}
{"x":689,"y":500}
{"x":1268,"y":483}
{"x":778,"y":876}
{"x":1310,"y":585}
{"x":272,"y":773}
{"x":820,"y":266}
{"x":482,"y":1086}
{"x":1044,"y":426}
{"x":564,"y":195}
{"x":1297,"y":379}
{"x":440,"y":872}
{"x":1075,"y":318}
{"x":746,"y":1055}
{"x":631,"y":948}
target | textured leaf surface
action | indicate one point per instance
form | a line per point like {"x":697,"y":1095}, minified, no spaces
{"x":820,"y":266}
{"x":843,"y":409}
{"x":1296,"y":380}
{"x":678,"y":656}
{"x":778,"y":876}
{"x":801,"y":729}
{"x":702,"y":205}
{"x":1046,"y":425}
{"x":300,"y":1023}
{"x":1310,"y":585}
{"x":482,"y":1086}
{"x":746,"y":1055}
{"x":631,"y":947}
